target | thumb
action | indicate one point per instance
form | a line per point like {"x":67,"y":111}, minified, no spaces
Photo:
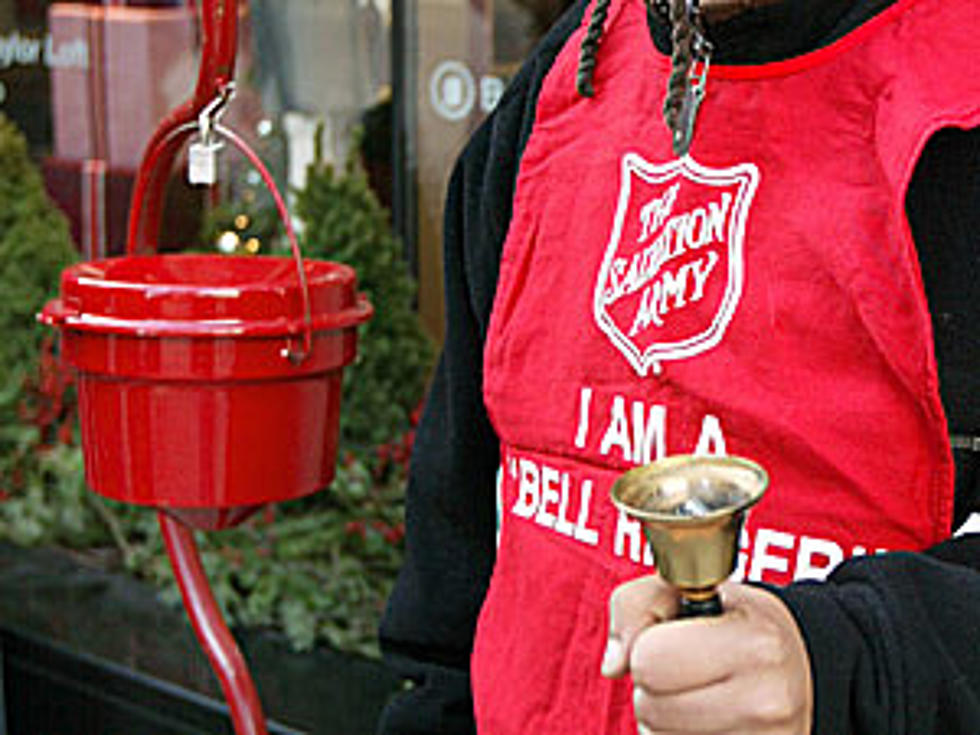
{"x":634,"y":606}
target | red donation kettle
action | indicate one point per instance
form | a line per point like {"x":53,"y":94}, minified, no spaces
{"x":188,"y":399}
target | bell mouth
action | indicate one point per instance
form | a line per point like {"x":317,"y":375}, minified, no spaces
{"x":690,"y":490}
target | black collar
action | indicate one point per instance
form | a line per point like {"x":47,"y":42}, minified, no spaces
{"x":778,"y":31}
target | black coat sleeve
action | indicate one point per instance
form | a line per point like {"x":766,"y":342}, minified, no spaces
{"x":894,"y":643}
{"x":427,"y":630}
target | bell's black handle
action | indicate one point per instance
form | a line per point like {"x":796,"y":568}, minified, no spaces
{"x":700,"y":608}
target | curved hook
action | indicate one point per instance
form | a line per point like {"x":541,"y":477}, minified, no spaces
{"x":219,"y":30}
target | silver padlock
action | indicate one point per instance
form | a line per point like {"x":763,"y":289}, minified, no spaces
{"x":202,"y":163}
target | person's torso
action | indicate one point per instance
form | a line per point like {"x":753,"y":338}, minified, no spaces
{"x":760,"y":297}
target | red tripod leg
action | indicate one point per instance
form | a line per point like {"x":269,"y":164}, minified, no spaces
{"x":212,"y":633}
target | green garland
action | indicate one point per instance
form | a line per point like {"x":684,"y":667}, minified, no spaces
{"x":34,"y":247}
{"x":343,"y":221}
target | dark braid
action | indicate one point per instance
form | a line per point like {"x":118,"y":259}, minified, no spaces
{"x":685,"y":38}
{"x":660,"y":7}
{"x":682,"y":57}
{"x":590,"y":47}
{"x":590,"y":44}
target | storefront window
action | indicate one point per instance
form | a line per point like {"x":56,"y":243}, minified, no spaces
{"x":463,"y":53}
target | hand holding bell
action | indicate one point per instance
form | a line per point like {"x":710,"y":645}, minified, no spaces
{"x":745,"y":671}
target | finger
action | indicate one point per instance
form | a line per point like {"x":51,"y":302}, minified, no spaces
{"x":678,"y":656}
{"x":687,"y":654}
{"x":633,"y":606}
{"x":709,"y":709}
{"x":741,"y":704}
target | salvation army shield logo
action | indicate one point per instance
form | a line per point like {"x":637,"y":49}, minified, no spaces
{"x":672,"y":274}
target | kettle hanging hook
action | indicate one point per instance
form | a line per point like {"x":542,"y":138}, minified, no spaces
{"x":219,"y":25}
{"x":210,"y":115}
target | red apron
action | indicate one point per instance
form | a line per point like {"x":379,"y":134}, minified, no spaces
{"x":760,"y":297}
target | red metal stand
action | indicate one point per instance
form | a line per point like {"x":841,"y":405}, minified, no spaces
{"x":222,"y":651}
{"x":219,"y":29}
{"x":159,"y":346}
{"x":219,"y":41}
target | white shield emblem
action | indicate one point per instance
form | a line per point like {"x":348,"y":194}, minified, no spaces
{"x":673,"y":271}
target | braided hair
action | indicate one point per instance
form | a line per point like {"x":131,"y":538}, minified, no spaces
{"x":590,"y":48}
{"x":682,"y":54}
{"x":681,"y":59}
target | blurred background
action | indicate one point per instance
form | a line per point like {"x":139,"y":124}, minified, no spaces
{"x":88,"y":81}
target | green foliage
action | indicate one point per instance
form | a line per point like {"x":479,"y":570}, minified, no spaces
{"x":34,"y":247}
{"x":321,"y":575}
{"x":50,"y":506}
{"x":343,"y":221}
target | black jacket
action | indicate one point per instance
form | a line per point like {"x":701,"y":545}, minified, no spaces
{"x":894,"y":640}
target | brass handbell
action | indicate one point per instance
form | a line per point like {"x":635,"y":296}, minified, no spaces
{"x":692,"y":509}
